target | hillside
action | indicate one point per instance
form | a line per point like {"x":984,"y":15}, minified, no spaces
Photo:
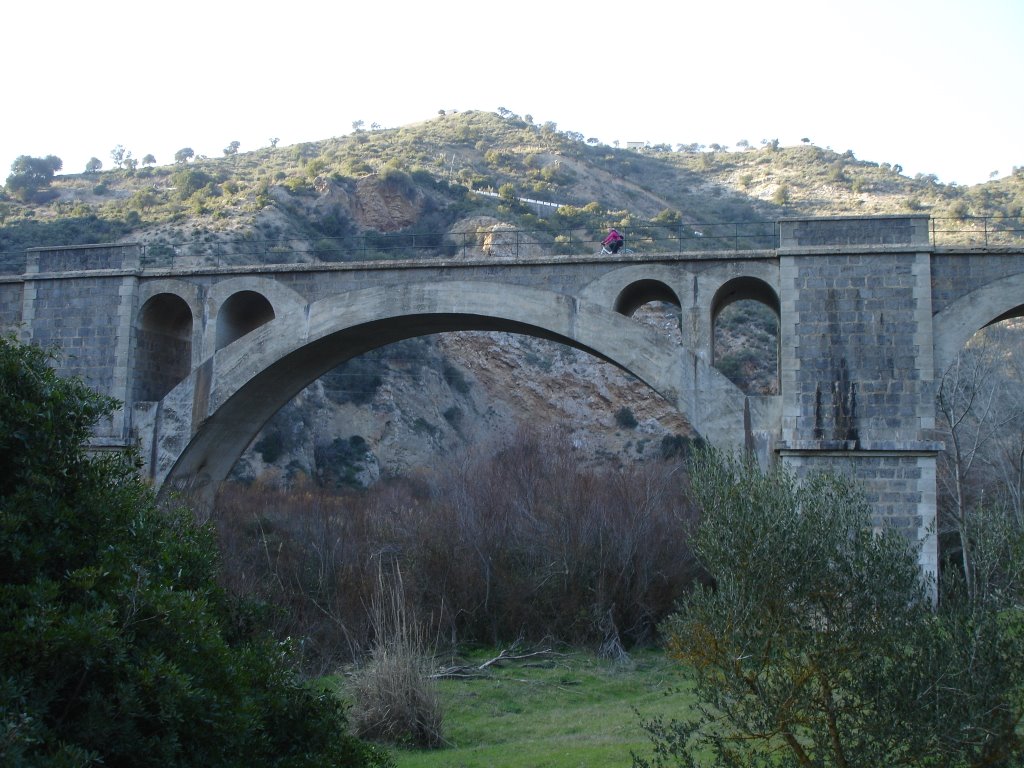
{"x":432,"y":188}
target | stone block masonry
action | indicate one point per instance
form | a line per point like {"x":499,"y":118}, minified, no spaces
{"x":857,"y":363}
{"x":79,"y":300}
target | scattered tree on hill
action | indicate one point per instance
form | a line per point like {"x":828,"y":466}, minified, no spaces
{"x":231,"y":149}
{"x":31,"y":176}
{"x":117,"y":647}
{"x":149,"y":160}
{"x":120,"y":156}
{"x":183,"y":155}
{"x":94,"y":165}
{"x":816,"y":642}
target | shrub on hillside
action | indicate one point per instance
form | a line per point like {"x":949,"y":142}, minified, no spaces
{"x":188,"y":181}
{"x":117,"y":647}
{"x":624,"y":418}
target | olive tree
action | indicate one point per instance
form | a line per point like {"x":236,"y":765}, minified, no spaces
{"x":31,"y":176}
{"x":815,"y":641}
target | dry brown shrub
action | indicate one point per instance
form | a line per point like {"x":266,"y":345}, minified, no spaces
{"x":396,"y":701}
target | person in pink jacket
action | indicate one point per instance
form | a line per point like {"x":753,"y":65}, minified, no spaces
{"x":613,"y":242}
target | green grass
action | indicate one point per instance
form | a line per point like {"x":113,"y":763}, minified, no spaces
{"x":573,"y":711}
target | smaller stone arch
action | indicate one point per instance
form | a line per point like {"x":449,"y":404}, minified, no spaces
{"x":741,"y":288}
{"x":641,"y":292}
{"x":241,"y":313}
{"x":644,"y":299}
{"x":163,"y":346}
{"x":745,"y":289}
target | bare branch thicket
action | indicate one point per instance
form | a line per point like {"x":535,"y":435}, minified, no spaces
{"x":980,"y":404}
{"x":516,"y":542}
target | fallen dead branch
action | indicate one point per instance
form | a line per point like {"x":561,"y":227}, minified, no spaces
{"x":475,"y":672}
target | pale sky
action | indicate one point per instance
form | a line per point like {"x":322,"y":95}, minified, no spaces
{"x":934,"y":85}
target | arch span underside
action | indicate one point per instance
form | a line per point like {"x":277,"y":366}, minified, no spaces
{"x":955,"y":324}
{"x":209,"y":419}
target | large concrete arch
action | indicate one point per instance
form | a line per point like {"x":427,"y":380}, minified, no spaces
{"x":954,"y":325}
{"x":208,"y":420}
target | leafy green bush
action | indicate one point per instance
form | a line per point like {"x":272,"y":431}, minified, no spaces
{"x":816,"y":641}
{"x":31,"y":176}
{"x":679,"y":446}
{"x":116,"y":645}
{"x":270,"y":446}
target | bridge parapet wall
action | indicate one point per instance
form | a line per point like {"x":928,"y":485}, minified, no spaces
{"x":82,"y":258}
{"x":844,"y":231}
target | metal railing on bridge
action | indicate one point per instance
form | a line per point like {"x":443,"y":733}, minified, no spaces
{"x":491,"y":242}
{"x":983,"y":231}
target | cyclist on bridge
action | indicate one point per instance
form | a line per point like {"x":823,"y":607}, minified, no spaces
{"x":613,"y":242}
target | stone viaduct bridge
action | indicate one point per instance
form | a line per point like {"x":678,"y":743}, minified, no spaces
{"x":870,"y":314}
